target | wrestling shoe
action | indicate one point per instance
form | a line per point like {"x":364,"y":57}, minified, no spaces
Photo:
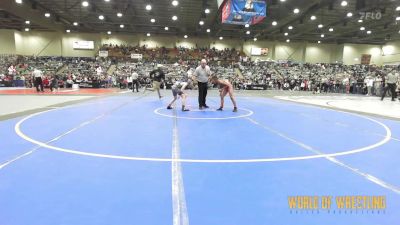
{"x":206,"y":106}
{"x":235,"y":109}
{"x":220,"y":109}
{"x":169,"y":107}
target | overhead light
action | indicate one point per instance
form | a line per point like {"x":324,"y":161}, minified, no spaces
{"x":286,"y":34}
{"x":398,"y":8}
{"x":248,"y":32}
{"x":148,"y":34}
{"x":360,"y":21}
{"x":148,"y":7}
{"x":322,"y":35}
{"x":166,"y":28}
{"x":221,"y":38}
{"x":153,"y":20}
{"x":320,"y":25}
{"x":283,"y":0}
{"x":85,"y":3}
{"x":108,"y":32}
{"x":290,"y":27}
{"x":47,"y":15}
{"x":121,"y":26}
{"x":274,"y":23}
{"x":68,"y":31}
{"x":174,"y":17}
{"x":27,"y":29}
{"x":101,"y":17}
{"x":119,"y":14}
{"x":207,"y":11}
{"x":106,"y":0}
{"x":208,"y":30}
{"x":296,"y":10}
{"x":175,"y":3}
{"x":355,"y":59}
{"x":247,"y":25}
{"x":201,"y":22}
{"x":255,"y":39}
{"x":27,"y":22}
{"x":313,"y":17}
{"x":18,"y":1}
{"x":398,"y":18}
{"x":362,"y":28}
{"x":75,"y":23}
{"x":331,"y":29}
{"x":319,"y":42}
{"x":185,"y":36}
{"x":369,"y":32}
{"x":344,"y":3}
{"x":349,"y":14}
{"x":288,"y":40}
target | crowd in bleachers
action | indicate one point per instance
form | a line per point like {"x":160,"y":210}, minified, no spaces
{"x":331,"y":78}
{"x":170,"y":55}
{"x":103,"y":72}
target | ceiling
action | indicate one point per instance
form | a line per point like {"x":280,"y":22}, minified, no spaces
{"x":136,"y":19}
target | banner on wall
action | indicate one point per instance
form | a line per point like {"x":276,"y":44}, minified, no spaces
{"x":103,"y":54}
{"x":365,"y":59}
{"x":259,"y":51}
{"x":86,"y":45}
{"x":136,"y":56}
{"x":243,"y":12}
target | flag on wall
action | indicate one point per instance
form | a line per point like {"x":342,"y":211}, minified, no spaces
{"x":243,"y":12}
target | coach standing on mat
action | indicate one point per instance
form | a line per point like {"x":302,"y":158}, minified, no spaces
{"x":158,"y":77}
{"x":202,"y":74}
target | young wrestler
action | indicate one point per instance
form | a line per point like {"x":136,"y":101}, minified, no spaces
{"x":225,"y":88}
{"x":177,"y":89}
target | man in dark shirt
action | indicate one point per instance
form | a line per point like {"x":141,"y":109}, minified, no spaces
{"x":158,"y":77}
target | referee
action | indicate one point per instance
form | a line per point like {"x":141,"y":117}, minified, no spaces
{"x":391,"y":81}
{"x":202,"y":74}
{"x":37,"y":74}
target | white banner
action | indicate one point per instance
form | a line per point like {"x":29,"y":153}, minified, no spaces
{"x":136,"y":56}
{"x":103,"y":54}
{"x":259,"y":51}
{"x":89,"y":45}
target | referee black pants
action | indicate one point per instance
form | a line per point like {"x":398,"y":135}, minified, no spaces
{"x":392,"y":88}
{"x":39,"y":82}
{"x":135,"y":83}
{"x":202,"y":93}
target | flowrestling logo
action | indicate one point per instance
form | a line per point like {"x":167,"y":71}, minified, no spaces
{"x":374,"y":15}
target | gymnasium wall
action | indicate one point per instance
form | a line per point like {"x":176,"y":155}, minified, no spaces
{"x":60,"y":44}
{"x":352,"y":53}
{"x":323,"y":53}
{"x":391,"y":53}
{"x":38,"y":43}
{"x":68,"y":51}
{"x":248,"y":45}
{"x":7,"y":42}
